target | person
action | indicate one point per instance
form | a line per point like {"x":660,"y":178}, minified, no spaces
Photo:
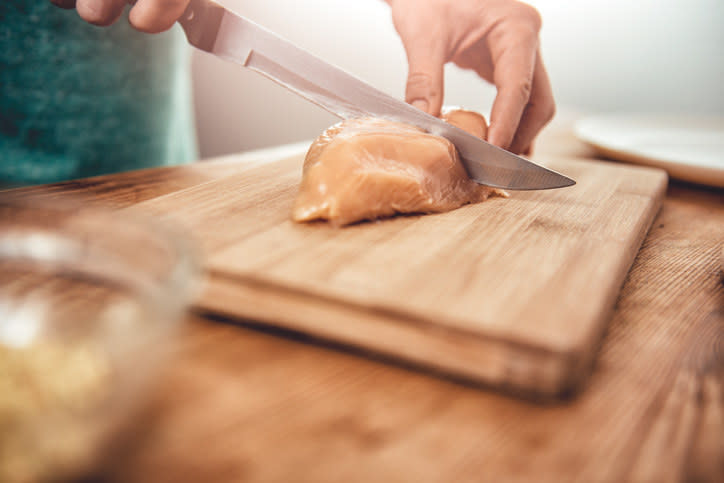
{"x":497,"y":39}
{"x":78,"y":101}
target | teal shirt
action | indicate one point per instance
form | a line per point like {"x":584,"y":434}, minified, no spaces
{"x":78,"y":100}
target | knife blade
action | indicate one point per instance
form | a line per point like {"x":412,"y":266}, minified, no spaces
{"x":218,"y":31}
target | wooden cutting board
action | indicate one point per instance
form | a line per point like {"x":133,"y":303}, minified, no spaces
{"x":512,"y":293}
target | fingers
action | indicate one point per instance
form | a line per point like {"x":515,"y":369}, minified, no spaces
{"x":100,"y":12}
{"x":540,"y":110}
{"x":150,"y":16}
{"x":153,"y":16}
{"x":513,"y":77}
{"x":425,"y":84}
{"x":63,"y":3}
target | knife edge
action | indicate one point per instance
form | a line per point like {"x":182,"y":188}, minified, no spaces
{"x":214,"y":29}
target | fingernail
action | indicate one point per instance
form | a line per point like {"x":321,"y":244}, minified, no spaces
{"x":421,"y":104}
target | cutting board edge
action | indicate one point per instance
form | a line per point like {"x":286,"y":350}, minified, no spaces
{"x":596,"y":336}
{"x":548,"y":376}
{"x":536,"y":373}
{"x":570,"y":347}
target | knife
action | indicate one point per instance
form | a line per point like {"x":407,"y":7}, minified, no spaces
{"x":218,"y":31}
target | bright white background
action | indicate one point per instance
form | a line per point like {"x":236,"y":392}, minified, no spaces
{"x":602,"y":56}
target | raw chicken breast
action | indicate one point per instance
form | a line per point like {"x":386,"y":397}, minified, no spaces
{"x":469,"y":121}
{"x":363,"y":169}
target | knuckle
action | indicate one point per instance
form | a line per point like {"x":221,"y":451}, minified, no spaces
{"x":159,"y":17}
{"x":549,"y":112}
{"x":530,"y":17}
{"x":398,"y":20}
{"x":420,"y":80}
{"x":421,"y":83}
{"x":523,"y":89}
{"x":545,"y":107}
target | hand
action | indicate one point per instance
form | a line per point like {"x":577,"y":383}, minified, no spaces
{"x":151,"y":16}
{"x":498,"y":39}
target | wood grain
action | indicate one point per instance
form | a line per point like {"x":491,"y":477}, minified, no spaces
{"x":128,"y":188}
{"x":240,"y":404}
{"x":491,"y":292}
{"x":243,"y":404}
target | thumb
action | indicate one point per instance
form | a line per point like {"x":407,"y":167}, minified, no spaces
{"x":425,"y":85}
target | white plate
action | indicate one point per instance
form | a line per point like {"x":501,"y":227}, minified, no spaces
{"x":691,"y":149}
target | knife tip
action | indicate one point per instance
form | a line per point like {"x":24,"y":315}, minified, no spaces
{"x":568,"y":182}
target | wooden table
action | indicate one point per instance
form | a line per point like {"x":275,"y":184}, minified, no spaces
{"x":243,"y":404}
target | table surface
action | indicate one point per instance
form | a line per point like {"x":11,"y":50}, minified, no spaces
{"x":239,"y":402}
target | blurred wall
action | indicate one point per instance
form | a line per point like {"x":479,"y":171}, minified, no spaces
{"x":602,"y":55}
